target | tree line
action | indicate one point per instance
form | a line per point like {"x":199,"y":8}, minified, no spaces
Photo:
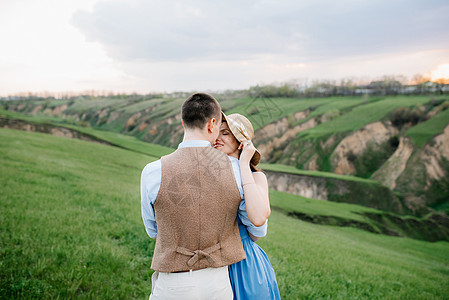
{"x":327,"y":88}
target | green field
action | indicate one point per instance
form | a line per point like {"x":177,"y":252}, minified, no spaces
{"x":423,"y":132}
{"x":116,"y":139}
{"x":289,"y":202}
{"x":71,"y":228}
{"x":363,"y":115}
{"x":293,"y":170}
{"x":262,"y":112}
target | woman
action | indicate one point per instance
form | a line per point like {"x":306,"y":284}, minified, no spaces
{"x":253,"y":277}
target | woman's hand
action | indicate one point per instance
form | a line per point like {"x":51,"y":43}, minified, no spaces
{"x":248,"y":150}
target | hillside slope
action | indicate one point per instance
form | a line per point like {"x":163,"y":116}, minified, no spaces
{"x":399,"y":141}
{"x":312,"y":184}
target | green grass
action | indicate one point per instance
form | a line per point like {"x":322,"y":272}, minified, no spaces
{"x":289,"y":202}
{"x":325,"y":262}
{"x":83,"y":105}
{"x":338,"y":105}
{"x":355,"y":112}
{"x":423,"y":132}
{"x":262,"y":112}
{"x":120,"y":140}
{"x":71,"y":228}
{"x":30,"y":118}
{"x":70,"y":219}
{"x":293,"y":170}
{"x":125,"y":141}
{"x":362,"y":115}
{"x":140,"y":106}
{"x":361,"y":217}
{"x":54,"y":103}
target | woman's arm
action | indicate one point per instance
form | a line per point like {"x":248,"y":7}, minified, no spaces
{"x":253,"y":238}
{"x":255,"y":188}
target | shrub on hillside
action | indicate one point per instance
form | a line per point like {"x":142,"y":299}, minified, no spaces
{"x":438,"y":191}
{"x":374,"y":157}
{"x":405,"y":115}
{"x":444,"y":106}
{"x":393,"y":142}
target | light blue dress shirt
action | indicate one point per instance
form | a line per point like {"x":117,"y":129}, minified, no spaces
{"x":150,"y":183}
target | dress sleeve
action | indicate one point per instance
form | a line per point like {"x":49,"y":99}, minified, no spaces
{"x":260,"y":231}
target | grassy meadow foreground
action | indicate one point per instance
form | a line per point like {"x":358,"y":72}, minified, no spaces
{"x":71,"y":228}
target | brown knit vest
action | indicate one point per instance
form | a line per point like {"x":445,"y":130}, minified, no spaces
{"x":196,"y":211}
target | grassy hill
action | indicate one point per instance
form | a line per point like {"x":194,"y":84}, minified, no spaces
{"x":347,"y":114}
{"x":423,"y":132}
{"x":354,"y":136}
{"x":113,"y":138}
{"x":340,"y":188}
{"x":365,"y":113}
{"x":71,"y":228}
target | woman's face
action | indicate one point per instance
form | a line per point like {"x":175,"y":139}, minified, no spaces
{"x":226,"y":142}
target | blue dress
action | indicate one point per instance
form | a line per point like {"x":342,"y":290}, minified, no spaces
{"x":253,"y":277}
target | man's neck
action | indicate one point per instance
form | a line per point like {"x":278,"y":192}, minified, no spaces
{"x":194,"y":135}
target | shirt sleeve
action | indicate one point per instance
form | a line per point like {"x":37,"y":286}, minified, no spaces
{"x":150,"y":183}
{"x":260,"y":231}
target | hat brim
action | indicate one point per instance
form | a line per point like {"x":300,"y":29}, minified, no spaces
{"x":256,"y":156}
{"x":223,"y":116}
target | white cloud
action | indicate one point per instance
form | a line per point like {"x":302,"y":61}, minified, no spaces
{"x":234,"y":30}
{"x":41,"y":50}
{"x":156,"y":45}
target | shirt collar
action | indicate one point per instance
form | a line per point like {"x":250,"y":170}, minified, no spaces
{"x":194,"y":143}
{"x":232,"y":158}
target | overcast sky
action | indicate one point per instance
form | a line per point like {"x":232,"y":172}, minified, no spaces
{"x":163,"y":45}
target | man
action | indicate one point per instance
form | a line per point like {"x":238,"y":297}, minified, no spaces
{"x":190,"y":200}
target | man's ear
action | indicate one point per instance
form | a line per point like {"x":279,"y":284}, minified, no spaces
{"x":210,"y":125}
{"x":182,"y":123}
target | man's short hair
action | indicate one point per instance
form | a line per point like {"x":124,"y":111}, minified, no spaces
{"x":198,"y":109}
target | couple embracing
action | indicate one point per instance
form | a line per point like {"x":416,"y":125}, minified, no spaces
{"x":206,"y":204}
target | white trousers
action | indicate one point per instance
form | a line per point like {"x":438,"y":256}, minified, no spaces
{"x":209,"y":283}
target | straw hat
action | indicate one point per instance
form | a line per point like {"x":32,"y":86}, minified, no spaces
{"x":242,"y":129}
